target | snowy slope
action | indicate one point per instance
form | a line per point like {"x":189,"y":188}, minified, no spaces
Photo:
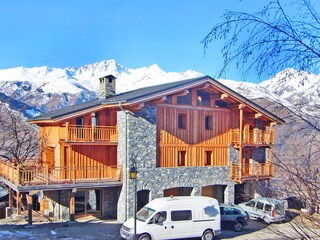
{"x":44,"y":88}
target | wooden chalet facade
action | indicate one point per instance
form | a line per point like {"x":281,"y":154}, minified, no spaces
{"x":190,"y":137}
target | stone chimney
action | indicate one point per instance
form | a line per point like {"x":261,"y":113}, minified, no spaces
{"x":107,"y":86}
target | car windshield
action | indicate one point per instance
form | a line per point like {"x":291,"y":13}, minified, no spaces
{"x":145,"y":213}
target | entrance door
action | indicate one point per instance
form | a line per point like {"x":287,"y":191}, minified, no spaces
{"x":88,"y":202}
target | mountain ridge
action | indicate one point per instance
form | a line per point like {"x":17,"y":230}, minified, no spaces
{"x":45,"y":88}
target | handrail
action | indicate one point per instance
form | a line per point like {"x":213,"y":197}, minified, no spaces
{"x":89,"y":133}
{"x":252,"y":170}
{"x":255,"y":136}
{"x":33,"y":175}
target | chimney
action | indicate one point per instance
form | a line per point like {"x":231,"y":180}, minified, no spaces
{"x":107,"y":86}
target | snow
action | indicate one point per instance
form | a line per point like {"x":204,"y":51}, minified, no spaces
{"x":288,"y":86}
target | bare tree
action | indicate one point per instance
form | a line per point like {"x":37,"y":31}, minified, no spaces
{"x":18,"y":140}
{"x":277,"y":37}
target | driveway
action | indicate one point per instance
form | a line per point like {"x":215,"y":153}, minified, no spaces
{"x":95,"y":229}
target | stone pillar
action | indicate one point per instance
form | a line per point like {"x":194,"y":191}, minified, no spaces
{"x":229,"y":194}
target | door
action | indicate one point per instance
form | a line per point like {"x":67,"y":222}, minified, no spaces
{"x":88,"y":202}
{"x":181,"y":224}
{"x":158,"y":226}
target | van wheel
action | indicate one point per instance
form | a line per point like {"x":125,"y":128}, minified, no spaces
{"x":238,"y":227}
{"x":144,"y":237}
{"x":207,"y":235}
{"x":266,"y":220}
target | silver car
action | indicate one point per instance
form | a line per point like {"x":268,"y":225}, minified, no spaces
{"x":268,"y":209}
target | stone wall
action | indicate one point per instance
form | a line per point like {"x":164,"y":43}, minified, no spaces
{"x":59,"y":203}
{"x":141,"y":146}
{"x":110,"y":200}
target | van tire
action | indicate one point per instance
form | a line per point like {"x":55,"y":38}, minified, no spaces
{"x":144,"y":236}
{"x":207,"y":235}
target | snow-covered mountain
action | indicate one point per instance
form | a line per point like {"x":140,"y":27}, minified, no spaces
{"x":41,"y":89}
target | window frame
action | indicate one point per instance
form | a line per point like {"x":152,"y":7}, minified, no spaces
{"x":182,"y":121}
{"x":179,"y":215}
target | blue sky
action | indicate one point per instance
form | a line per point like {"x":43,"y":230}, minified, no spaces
{"x":136,"y":33}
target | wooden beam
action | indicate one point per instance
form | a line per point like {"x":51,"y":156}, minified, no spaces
{"x":72,"y":205}
{"x":241,"y":106}
{"x":183,"y":93}
{"x":29,"y":207}
{"x":138,"y":106}
{"x":160,"y":100}
{"x":224,"y":96}
{"x":258,"y":115}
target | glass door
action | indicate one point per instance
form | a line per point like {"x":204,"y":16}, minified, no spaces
{"x":88,"y":202}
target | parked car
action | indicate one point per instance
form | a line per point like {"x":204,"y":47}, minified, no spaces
{"x":175,"y":217}
{"x":233,"y":216}
{"x":268,"y":209}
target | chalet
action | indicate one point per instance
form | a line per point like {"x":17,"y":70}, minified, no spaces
{"x":190,"y":137}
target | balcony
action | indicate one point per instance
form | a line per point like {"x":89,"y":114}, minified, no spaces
{"x":252,"y":137}
{"x":252,"y":171}
{"x":74,"y":133}
{"x":35,"y":174}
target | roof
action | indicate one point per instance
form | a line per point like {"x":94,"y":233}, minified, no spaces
{"x":149,"y":93}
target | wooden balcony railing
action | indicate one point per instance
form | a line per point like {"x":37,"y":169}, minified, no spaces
{"x":252,"y":171}
{"x":89,"y":133}
{"x":37,"y":175}
{"x":255,"y":137}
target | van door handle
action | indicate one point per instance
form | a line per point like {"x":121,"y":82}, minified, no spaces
{"x":172,"y":226}
{"x":165,"y":227}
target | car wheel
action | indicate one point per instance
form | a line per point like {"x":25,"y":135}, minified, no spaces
{"x":266,"y":220}
{"x":207,"y":235}
{"x":238,"y":227}
{"x":144,"y":237}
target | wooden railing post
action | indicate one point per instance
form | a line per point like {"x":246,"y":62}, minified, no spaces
{"x":74,"y":173}
{"x":92,"y":132}
{"x":67,"y":131}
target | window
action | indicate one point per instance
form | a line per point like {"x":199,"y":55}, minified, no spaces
{"x":208,"y":157}
{"x":221,"y":103}
{"x":268,"y":207}
{"x":182,"y":158}
{"x":159,"y":217}
{"x":203,"y":98}
{"x":186,"y":99}
{"x":94,"y":119}
{"x":181,"y":215}
{"x":260,"y":205}
{"x":251,"y":204}
{"x":208,"y":122}
{"x":182,"y":120}
{"x":79,"y":121}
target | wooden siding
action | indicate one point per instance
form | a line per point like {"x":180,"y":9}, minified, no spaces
{"x":195,"y":139}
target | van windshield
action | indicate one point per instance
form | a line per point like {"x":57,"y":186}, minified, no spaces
{"x":145,"y":213}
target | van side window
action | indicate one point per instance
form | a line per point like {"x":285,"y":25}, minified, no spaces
{"x":260,"y":205}
{"x":268,"y":207}
{"x":251,"y":204}
{"x":181,"y":215}
{"x":160,"y":217}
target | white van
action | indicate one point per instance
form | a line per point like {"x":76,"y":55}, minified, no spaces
{"x":175,"y":217}
{"x":268,"y":209}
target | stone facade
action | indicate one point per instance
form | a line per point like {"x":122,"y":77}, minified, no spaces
{"x":59,"y":203}
{"x":137,"y":143}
